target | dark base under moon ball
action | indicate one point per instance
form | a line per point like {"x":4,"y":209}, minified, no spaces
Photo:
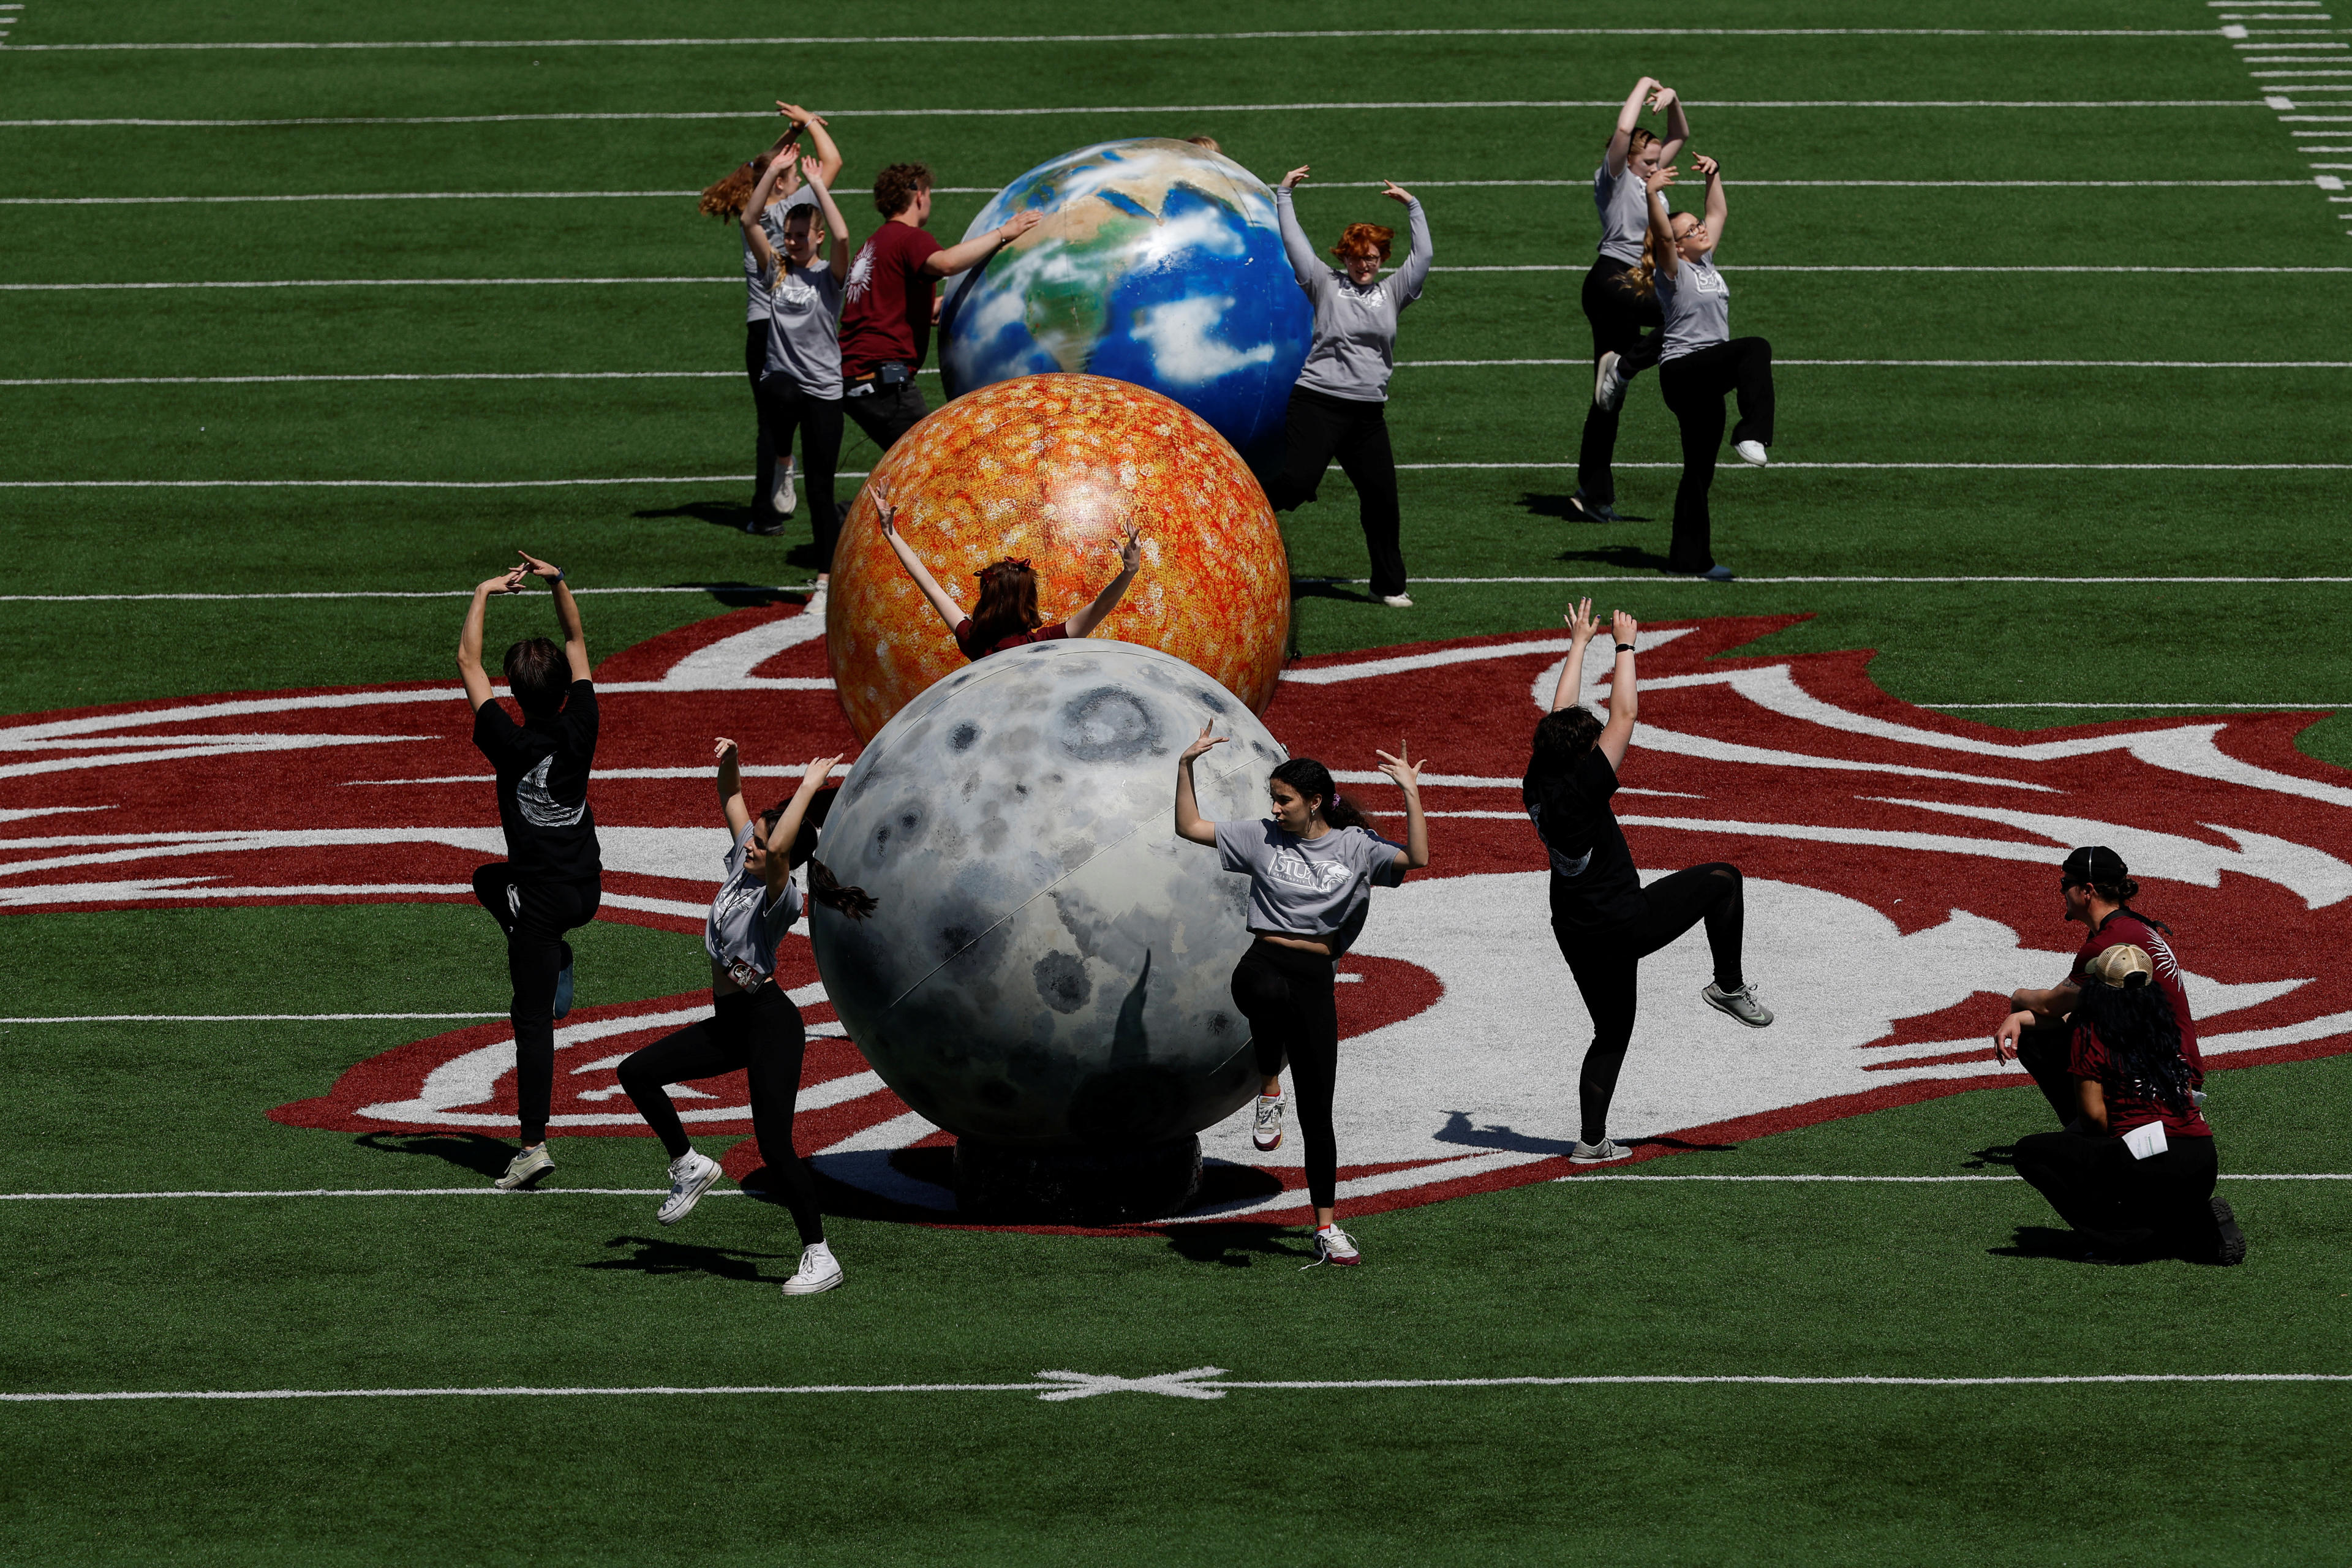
{"x":1006,"y":1184}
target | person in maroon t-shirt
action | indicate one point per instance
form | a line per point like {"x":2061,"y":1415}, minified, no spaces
{"x":2098,"y":890}
{"x":2133,"y":1174}
{"x":886,"y":315}
{"x":1006,"y":615}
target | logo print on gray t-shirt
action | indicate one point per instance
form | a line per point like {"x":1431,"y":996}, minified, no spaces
{"x":1324,"y":877}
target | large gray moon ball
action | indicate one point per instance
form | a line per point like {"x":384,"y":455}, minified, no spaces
{"x":1049,"y":964}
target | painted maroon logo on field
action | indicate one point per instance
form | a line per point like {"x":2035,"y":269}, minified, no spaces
{"x":1901,"y":868}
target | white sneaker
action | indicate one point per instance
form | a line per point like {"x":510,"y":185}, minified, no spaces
{"x":1397,"y":601}
{"x":1599,"y":1154}
{"x":1608,"y":386}
{"x":1265,"y":1131}
{"x":690,"y":1175}
{"x":526,"y":1168}
{"x":819,"y":1270}
{"x":785,"y":500}
{"x":1333,"y":1244}
{"x":1741,"y":1003}
{"x":1750,"y":452}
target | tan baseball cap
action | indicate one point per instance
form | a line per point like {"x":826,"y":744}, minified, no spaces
{"x":2122,"y":965}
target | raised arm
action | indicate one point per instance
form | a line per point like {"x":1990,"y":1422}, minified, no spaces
{"x":1624,"y":702}
{"x":950,"y":611}
{"x":835,"y":223}
{"x":754,"y":235}
{"x":828,"y":157}
{"x":567,"y":613}
{"x":1677,"y":123}
{"x":1622,"y":139}
{"x":469,"y":636}
{"x":788,"y":827}
{"x":1409,"y":277}
{"x":1407,"y":775}
{"x":956,"y":259}
{"x":1304,"y":265}
{"x":1716,"y":210}
{"x":1191,"y":826}
{"x":1130,"y":557}
{"x":1572,"y":674}
{"x":730,"y":787}
{"x":1662,"y":226}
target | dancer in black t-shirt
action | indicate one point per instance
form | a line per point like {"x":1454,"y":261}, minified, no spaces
{"x":551,"y":880}
{"x":1605,"y":921}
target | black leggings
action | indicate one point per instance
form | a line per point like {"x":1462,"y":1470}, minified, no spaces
{"x":534,"y":915}
{"x":785,"y":408}
{"x":2127,"y":1205}
{"x":1605,"y":961}
{"x":1617,"y":314}
{"x":759,"y":1034}
{"x":1357,"y":433}
{"x":1693,"y":386}
{"x":1289,"y":997}
{"x":763,"y":472}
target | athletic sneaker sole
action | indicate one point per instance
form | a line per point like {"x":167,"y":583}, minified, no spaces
{"x":693,"y":1195}
{"x":1706,"y":995}
{"x":792,"y":1286}
{"x":2233,"y":1240}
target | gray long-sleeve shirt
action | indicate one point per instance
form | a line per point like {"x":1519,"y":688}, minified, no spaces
{"x":1355,"y":329}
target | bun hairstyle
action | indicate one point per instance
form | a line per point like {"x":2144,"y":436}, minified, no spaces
{"x":2132,"y":1017}
{"x":539,"y":676}
{"x":1364,"y":236}
{"x":2103,"y":871}
{"x":1311,"y":780}
{"x":855,"y":902}
{"x":1008,"y":603}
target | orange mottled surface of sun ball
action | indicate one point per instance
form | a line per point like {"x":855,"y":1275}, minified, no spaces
{"x":1050,"y":469}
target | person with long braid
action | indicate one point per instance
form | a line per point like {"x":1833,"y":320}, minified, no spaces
{"x":2133,"y":1174}
{"x":1605,"y":921}
{"x":1312,"y":866}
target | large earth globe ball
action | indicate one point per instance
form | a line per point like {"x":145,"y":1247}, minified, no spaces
{"x":1051,"y":469}
{"x":1159,"y":263}
{"x":1048,"y":965}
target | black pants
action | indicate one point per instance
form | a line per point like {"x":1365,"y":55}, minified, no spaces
{"x":2162,"y":1203}
{"x":1605,"y":962}
{"x":763,"y":471}
{"x":1357,"y":433}
{"x":534,"y":915}
{"x":1693,"y":386}
{"x":785,"y":409}
{"x":887,"y":413}
{"x":1289,"y":996}
{"x":1617,"y":314}
{"x":756,"y":1033}
{"x":2043,"y":1050}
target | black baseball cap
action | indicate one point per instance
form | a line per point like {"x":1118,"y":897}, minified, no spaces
{"x":2093,"y":864}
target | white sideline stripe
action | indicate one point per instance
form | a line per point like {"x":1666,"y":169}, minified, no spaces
{"x":1401,"y":365}
{"x":746,"y":478}
{"x":486,"y":1191}
{"x":242,"y":1018}
{"x":1190,"y":1384}
{"x":1126,"y":108}
{"x":812,"y":42}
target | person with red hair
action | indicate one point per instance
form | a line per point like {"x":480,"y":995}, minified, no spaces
{"x":1340,"y":407}
{"x":1006,"y":615}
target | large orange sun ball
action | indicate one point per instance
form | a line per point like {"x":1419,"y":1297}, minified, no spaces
{"x":1051,"y":469}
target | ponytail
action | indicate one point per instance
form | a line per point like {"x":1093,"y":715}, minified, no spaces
{"x":855,"y":902}
{"x":1311,"y":778}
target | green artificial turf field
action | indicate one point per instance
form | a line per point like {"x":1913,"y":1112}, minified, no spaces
{"x":1960,"y":454}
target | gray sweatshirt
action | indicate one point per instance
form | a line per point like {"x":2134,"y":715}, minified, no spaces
{"x":1355,"y":329}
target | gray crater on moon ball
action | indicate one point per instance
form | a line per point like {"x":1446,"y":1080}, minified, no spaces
{"x":1048,"y":964}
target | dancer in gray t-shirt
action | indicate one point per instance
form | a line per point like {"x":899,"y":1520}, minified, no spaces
{"x":1312,"y":865}
{"x":1701,"y":361}
{"x":1340,"y":407}
{"x":799,"y":387}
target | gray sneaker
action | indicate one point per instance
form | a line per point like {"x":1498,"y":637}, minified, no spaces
{"x":784,"y":499}
{"x":1608,"y":1149}
{"x":526,"y":1168}
{"x":1608,"y":386}
{"x":690,"y":1175}
{"x":1266,"y":1129}
{"x":1741,"y":1003}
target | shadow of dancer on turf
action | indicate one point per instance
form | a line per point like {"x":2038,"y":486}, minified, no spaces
{"x":474,"y":1151}
{"x":655,"y":1255}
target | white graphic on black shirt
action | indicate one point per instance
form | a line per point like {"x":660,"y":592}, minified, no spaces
{"x":541,"y":809}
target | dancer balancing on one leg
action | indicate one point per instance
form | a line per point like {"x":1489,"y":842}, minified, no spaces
{"x":1700,"y":361}
{"x":552,"y":878}
{"x":1615,"y":302}
{"x":2133,"y":1174}
{"x":1005,"y":616}
{"x":1605,"y":921}
{"x":1311,"y":867}
{"x":753,"y":1027}
{"x":1340,"y":407}
{"x":799,"y":386}
{"x":772,"y":499}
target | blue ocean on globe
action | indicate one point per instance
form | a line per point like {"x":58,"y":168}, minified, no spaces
{"x":1157,"y":263}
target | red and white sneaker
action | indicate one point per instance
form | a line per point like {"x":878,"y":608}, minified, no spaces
{"x":1333,"y":1244}
{"x":1267,"y":1131}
